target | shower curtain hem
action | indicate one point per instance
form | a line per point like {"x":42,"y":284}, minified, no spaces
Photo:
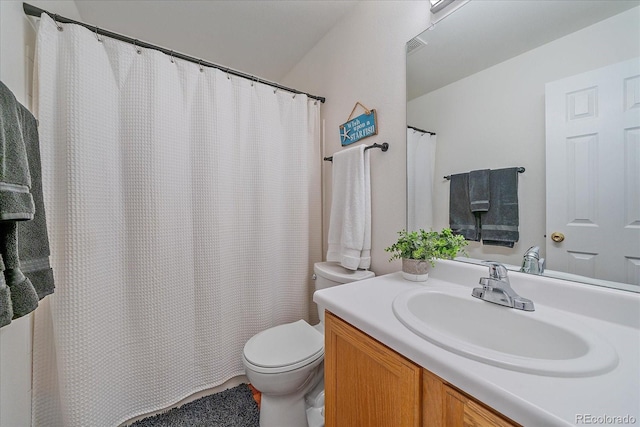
{"x":164,"y":407}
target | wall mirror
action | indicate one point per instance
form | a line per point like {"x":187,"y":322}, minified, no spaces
{"x":507,"y":84}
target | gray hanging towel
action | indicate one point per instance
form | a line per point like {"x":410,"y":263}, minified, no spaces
{"x":499,"y":225}
{"x":16,"y":201}
{"x":23,"y":237}
{"x":6,"y":307}
{"x":24,"y":298}
{"x":33,"y":239}
{"x":479,"y":190}
{"x":16,"y":204}
{"x":461,"y":219}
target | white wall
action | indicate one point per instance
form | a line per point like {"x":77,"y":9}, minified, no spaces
{"x":363,"y":59}
{"x":495,"y":119}
{"x":17,"y":42}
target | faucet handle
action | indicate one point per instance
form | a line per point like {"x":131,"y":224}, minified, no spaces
{"x":533,"y":252}
{"x":496,"y":270}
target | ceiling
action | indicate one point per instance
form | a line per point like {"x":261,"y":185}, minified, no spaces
{"x":483,"y":33}
{"x":262,"y":38}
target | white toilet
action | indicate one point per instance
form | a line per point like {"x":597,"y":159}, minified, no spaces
{"x":286,"y":362}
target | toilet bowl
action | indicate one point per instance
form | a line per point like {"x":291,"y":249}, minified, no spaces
{"x":287,"y":361}
{"x":284,"y":363}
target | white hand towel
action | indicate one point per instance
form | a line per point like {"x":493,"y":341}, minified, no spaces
{"x":350,"y":220}
{"x":365,"y":256}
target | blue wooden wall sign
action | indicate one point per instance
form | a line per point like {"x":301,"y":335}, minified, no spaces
{"x":358,"y":128}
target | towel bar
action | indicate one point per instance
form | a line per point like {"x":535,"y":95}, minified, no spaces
{"x":384,"y":147}
{"x":520,"y":170}
{"x":420,"y":130}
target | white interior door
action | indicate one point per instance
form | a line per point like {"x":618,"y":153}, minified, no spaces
{"x":593,"y":173}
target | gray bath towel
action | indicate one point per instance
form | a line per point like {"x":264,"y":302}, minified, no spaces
{"x":6,"y":307}
{"x":479,"y":191}
{"x":499,"y":226}
{"x":461,"y":219}
{"x":23,"y":236}
{"x":16,"y":202}
{"x":33,"y":239}
{"x":24,"y":298}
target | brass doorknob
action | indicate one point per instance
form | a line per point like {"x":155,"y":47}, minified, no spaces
{"x":557,"y":237}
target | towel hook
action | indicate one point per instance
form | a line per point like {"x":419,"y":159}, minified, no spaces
{"x":55,"y":19}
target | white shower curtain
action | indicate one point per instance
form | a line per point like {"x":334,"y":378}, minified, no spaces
{"x":184,"y":217}
{"x":421,"y":161}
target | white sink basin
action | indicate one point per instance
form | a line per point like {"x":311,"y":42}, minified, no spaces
{"x":544,"y":342}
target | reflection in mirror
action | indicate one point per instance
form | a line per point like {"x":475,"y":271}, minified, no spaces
{"x":553,"y":87}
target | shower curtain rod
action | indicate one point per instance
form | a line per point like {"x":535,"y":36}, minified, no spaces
{"x":384,"y":147}
{"x":37,"y":12}
{"x":420,"y":130}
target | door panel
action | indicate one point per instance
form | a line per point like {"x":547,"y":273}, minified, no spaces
{"x":593,"y":173}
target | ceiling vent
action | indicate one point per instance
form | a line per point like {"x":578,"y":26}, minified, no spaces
{"x":415,"y":44}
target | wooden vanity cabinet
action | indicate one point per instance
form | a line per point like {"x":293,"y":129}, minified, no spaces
{"x":366,"y":383}
{"x":369,"y":385}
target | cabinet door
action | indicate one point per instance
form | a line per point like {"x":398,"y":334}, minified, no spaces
{"x":366,"y":383}
{"x":444,"y":406}
{"x":464,"y":412}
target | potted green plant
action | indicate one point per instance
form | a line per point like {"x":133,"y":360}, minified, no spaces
{"x":419,"y":250}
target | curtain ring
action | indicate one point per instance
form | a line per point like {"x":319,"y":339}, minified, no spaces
{"x":275,"y":91}
{"x":135,"y":44}
{"x":316,"y":102}
{"x":55,"y":19}
{"x":228,"y":76}
{"x":252,"y":77}
{"x":200,"y":65}
{"x":98,"y":35}
{"x":294,"y":95}
{"x":172,"y":61}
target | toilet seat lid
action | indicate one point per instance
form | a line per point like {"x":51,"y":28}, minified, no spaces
{"x":285,"y":345}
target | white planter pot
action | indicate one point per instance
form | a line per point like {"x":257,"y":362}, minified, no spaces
{"x":416,"y":270}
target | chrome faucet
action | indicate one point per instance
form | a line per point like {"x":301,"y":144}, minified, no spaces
{"x":497,"y":289}
{"x":531,"y":262}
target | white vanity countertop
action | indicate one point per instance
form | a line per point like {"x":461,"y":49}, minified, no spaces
{"x":531,"y":400}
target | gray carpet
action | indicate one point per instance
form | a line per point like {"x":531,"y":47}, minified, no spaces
{"x":234,"y":407}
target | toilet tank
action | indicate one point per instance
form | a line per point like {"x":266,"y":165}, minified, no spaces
{"x":328,"y":274}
